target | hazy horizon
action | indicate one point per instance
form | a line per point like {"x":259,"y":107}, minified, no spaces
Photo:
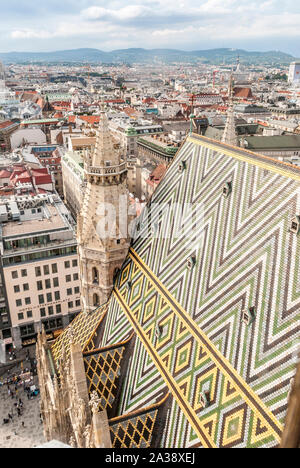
{"x":52,"y":25}
{"x":144,"y":48}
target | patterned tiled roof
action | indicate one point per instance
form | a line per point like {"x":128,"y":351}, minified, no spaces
{"x":214,"y":304}
{"x":103,"y":369}
{"x":137,"y":429}
{"x":83,"y":326}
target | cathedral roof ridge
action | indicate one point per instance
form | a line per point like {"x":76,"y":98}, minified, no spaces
{"x":140,"y":411}
{"x":109,"y":347}
{"x":261,"y":160}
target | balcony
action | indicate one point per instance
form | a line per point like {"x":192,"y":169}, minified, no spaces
{"x":107,"y":171}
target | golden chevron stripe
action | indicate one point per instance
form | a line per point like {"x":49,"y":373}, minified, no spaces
{"x":245,"y":391}
{"x":170,"y":381}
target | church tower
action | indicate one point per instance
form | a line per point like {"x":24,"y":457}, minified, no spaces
{"x":103,"y":222}
{"x":230,"y":135}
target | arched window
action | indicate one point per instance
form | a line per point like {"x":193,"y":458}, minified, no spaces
{"x":96,"y":300}
{"x":95,"y":274}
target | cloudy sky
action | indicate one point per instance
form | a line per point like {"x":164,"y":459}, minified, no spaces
{"x":46,"y":25}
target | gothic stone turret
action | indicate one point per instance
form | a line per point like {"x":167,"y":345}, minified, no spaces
{"x":103,"y":224}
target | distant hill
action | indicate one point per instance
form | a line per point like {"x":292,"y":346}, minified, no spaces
{"x":211,"y":56}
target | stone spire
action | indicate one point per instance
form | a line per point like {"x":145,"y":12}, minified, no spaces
{"x":103,"y":235}
{"x":230,"y":135}
{"x":104,"y":152}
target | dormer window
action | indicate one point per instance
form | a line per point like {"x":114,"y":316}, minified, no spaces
{"x":129,"y":285}
{"x":159,"y":331}
{"x":204,"y":399}
{"x":227,"y":189}
{"x":191,"y":262}
{"x":248,"y":316}
{"x":182,"y":166}
{"x":295,"y":225}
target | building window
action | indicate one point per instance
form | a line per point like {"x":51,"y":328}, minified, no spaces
{"x":77,"y":290}
{"x":96,"y":300}
{"x":41,"y":299}
{"x":55,"y":282}
{"x":14,"y":274}
{"x":70,"y":305}
{"x":95,"y":275}
{"x":18,"y":302}
{"x":27,"y":300}
{"x":43,"y":312}
{"x":67,"y":264}
{"x":24,"y":273}
{"x":58,"y":309}
{"x":54,"y":268}
{"x":48,"y":284}
{"x":49,"y":297}
{"x":69,"y":292}
{"x":46,"y":270}
{"x":75,"y":263}
{"x":27,"y":330}
{"x":16,"y":289}
{"x":76,"y":277}
{"x":68,"y":278}
{"x":39,"y":285}
{"x":29,"y":314}
{"x":38,"y":271}
{"x":78,"y":303}
{"x":50,"y":310}
{"x":20,"y":316}
{"x":26,"y":287}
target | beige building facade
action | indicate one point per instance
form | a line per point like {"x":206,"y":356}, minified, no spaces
{"x":40,"y":268}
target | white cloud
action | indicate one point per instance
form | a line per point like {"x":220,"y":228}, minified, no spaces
{"x":187,"y":24}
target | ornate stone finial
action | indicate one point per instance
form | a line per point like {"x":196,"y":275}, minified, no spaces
{"x":55,"y":384}
{"x":43,"y":333}
{"x":94,"y":403}
{"x":87,"y":436}
{"x":71,"y":335}
{"x":72,"y":442}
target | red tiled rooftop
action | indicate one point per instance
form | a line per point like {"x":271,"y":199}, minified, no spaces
{"x":5,"y":174}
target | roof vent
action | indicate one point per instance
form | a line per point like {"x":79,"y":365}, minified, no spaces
{"x":204,"y":399}
{"x":295,"y":225}
{"x":182,"y":166}
{"x":227,"y":189}
{"x":191,"y":262}
{"x":248,"y":316}
{"x":159,"y":331}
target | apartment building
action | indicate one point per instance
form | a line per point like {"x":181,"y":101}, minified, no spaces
{"x":40,"y":266}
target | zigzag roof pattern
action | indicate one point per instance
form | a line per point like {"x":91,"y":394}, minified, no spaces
{"x":211,"y":290}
